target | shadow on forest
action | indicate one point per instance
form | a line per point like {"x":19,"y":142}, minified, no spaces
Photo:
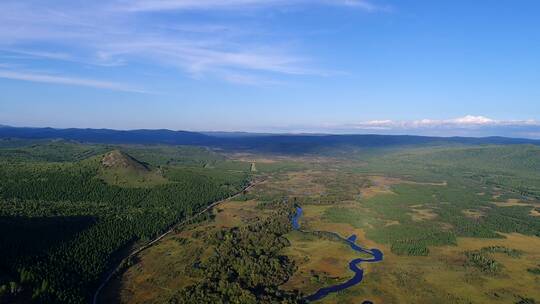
{"x":23,"y":236}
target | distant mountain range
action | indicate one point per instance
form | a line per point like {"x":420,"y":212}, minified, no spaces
{"x":109,"y":136}
{"x":276,"y":143}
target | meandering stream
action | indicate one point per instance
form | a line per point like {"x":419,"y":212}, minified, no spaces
{"x":376,"y":256}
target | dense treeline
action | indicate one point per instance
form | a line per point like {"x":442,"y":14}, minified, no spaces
{"x":535,"y":270}
{"x":483,"y":262}
{"x":246,"y":266}
{"x":48,"y":151}
{"x":66,"y":225}
{"x":219,"y":176}
{"x":514,"y":253}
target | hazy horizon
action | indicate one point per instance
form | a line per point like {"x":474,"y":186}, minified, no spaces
{"x":528,"y":130}
{"x":325,"y":66}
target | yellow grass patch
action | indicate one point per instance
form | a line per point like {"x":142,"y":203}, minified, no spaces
{"x":157,"y":274}
{"x":475,"y":214}
{"x":302,"y":183}
{"x":391,"y":223}
{"x":442,"y":184}
{"x":382,"y":185}
{"x":422,"y":214}
{"x":234,"y":213}
{"x":379,"y":185}
{"x":514,"y":202}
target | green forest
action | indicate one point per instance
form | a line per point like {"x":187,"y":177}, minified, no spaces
{"x":63,"y":227}
{"x":246,"y":265}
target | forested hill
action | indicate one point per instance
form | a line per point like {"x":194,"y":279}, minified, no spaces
{"x":69,"y":211}
{"x":277,"y":143}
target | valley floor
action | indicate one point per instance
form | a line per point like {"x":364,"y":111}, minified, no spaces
{"x":445,"y":238}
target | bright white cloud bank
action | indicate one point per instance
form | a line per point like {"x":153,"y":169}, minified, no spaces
{"x":467,"y":126}
{"x":468,"y":121}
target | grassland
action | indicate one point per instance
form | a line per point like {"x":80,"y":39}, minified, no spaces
{"x":431,"y":215}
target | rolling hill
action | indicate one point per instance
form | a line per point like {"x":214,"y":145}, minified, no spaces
{"x":276,"y":143}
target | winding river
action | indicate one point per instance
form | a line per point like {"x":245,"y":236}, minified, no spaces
{"x":296,"y":217}
{"x":376,"y":256}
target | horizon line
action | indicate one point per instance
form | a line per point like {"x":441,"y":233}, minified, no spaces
{"x":206,"y":132}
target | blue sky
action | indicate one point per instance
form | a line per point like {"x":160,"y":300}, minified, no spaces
{"x":336,"y":66}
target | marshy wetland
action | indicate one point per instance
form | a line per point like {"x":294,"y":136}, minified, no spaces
{"x":448,"y":233}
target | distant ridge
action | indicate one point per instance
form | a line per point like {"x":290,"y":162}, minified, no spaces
{"x":275,"y":143}
{"x":110,"y":136}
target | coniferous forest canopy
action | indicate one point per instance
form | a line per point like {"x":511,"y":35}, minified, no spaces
{"x":63,"y":226}
{"x":71,"y":212}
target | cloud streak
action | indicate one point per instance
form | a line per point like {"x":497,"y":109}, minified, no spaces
{"x":66,"y":80}
{"x":162,"y":5}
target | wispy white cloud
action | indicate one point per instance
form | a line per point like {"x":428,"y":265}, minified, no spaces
{"x":40,"y":54}
{"x":199,"y":57}
{"x":66,"y":80}
{"x":247,"y":79}
{"x":160,"y":5}
{"x":109,"y":33}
